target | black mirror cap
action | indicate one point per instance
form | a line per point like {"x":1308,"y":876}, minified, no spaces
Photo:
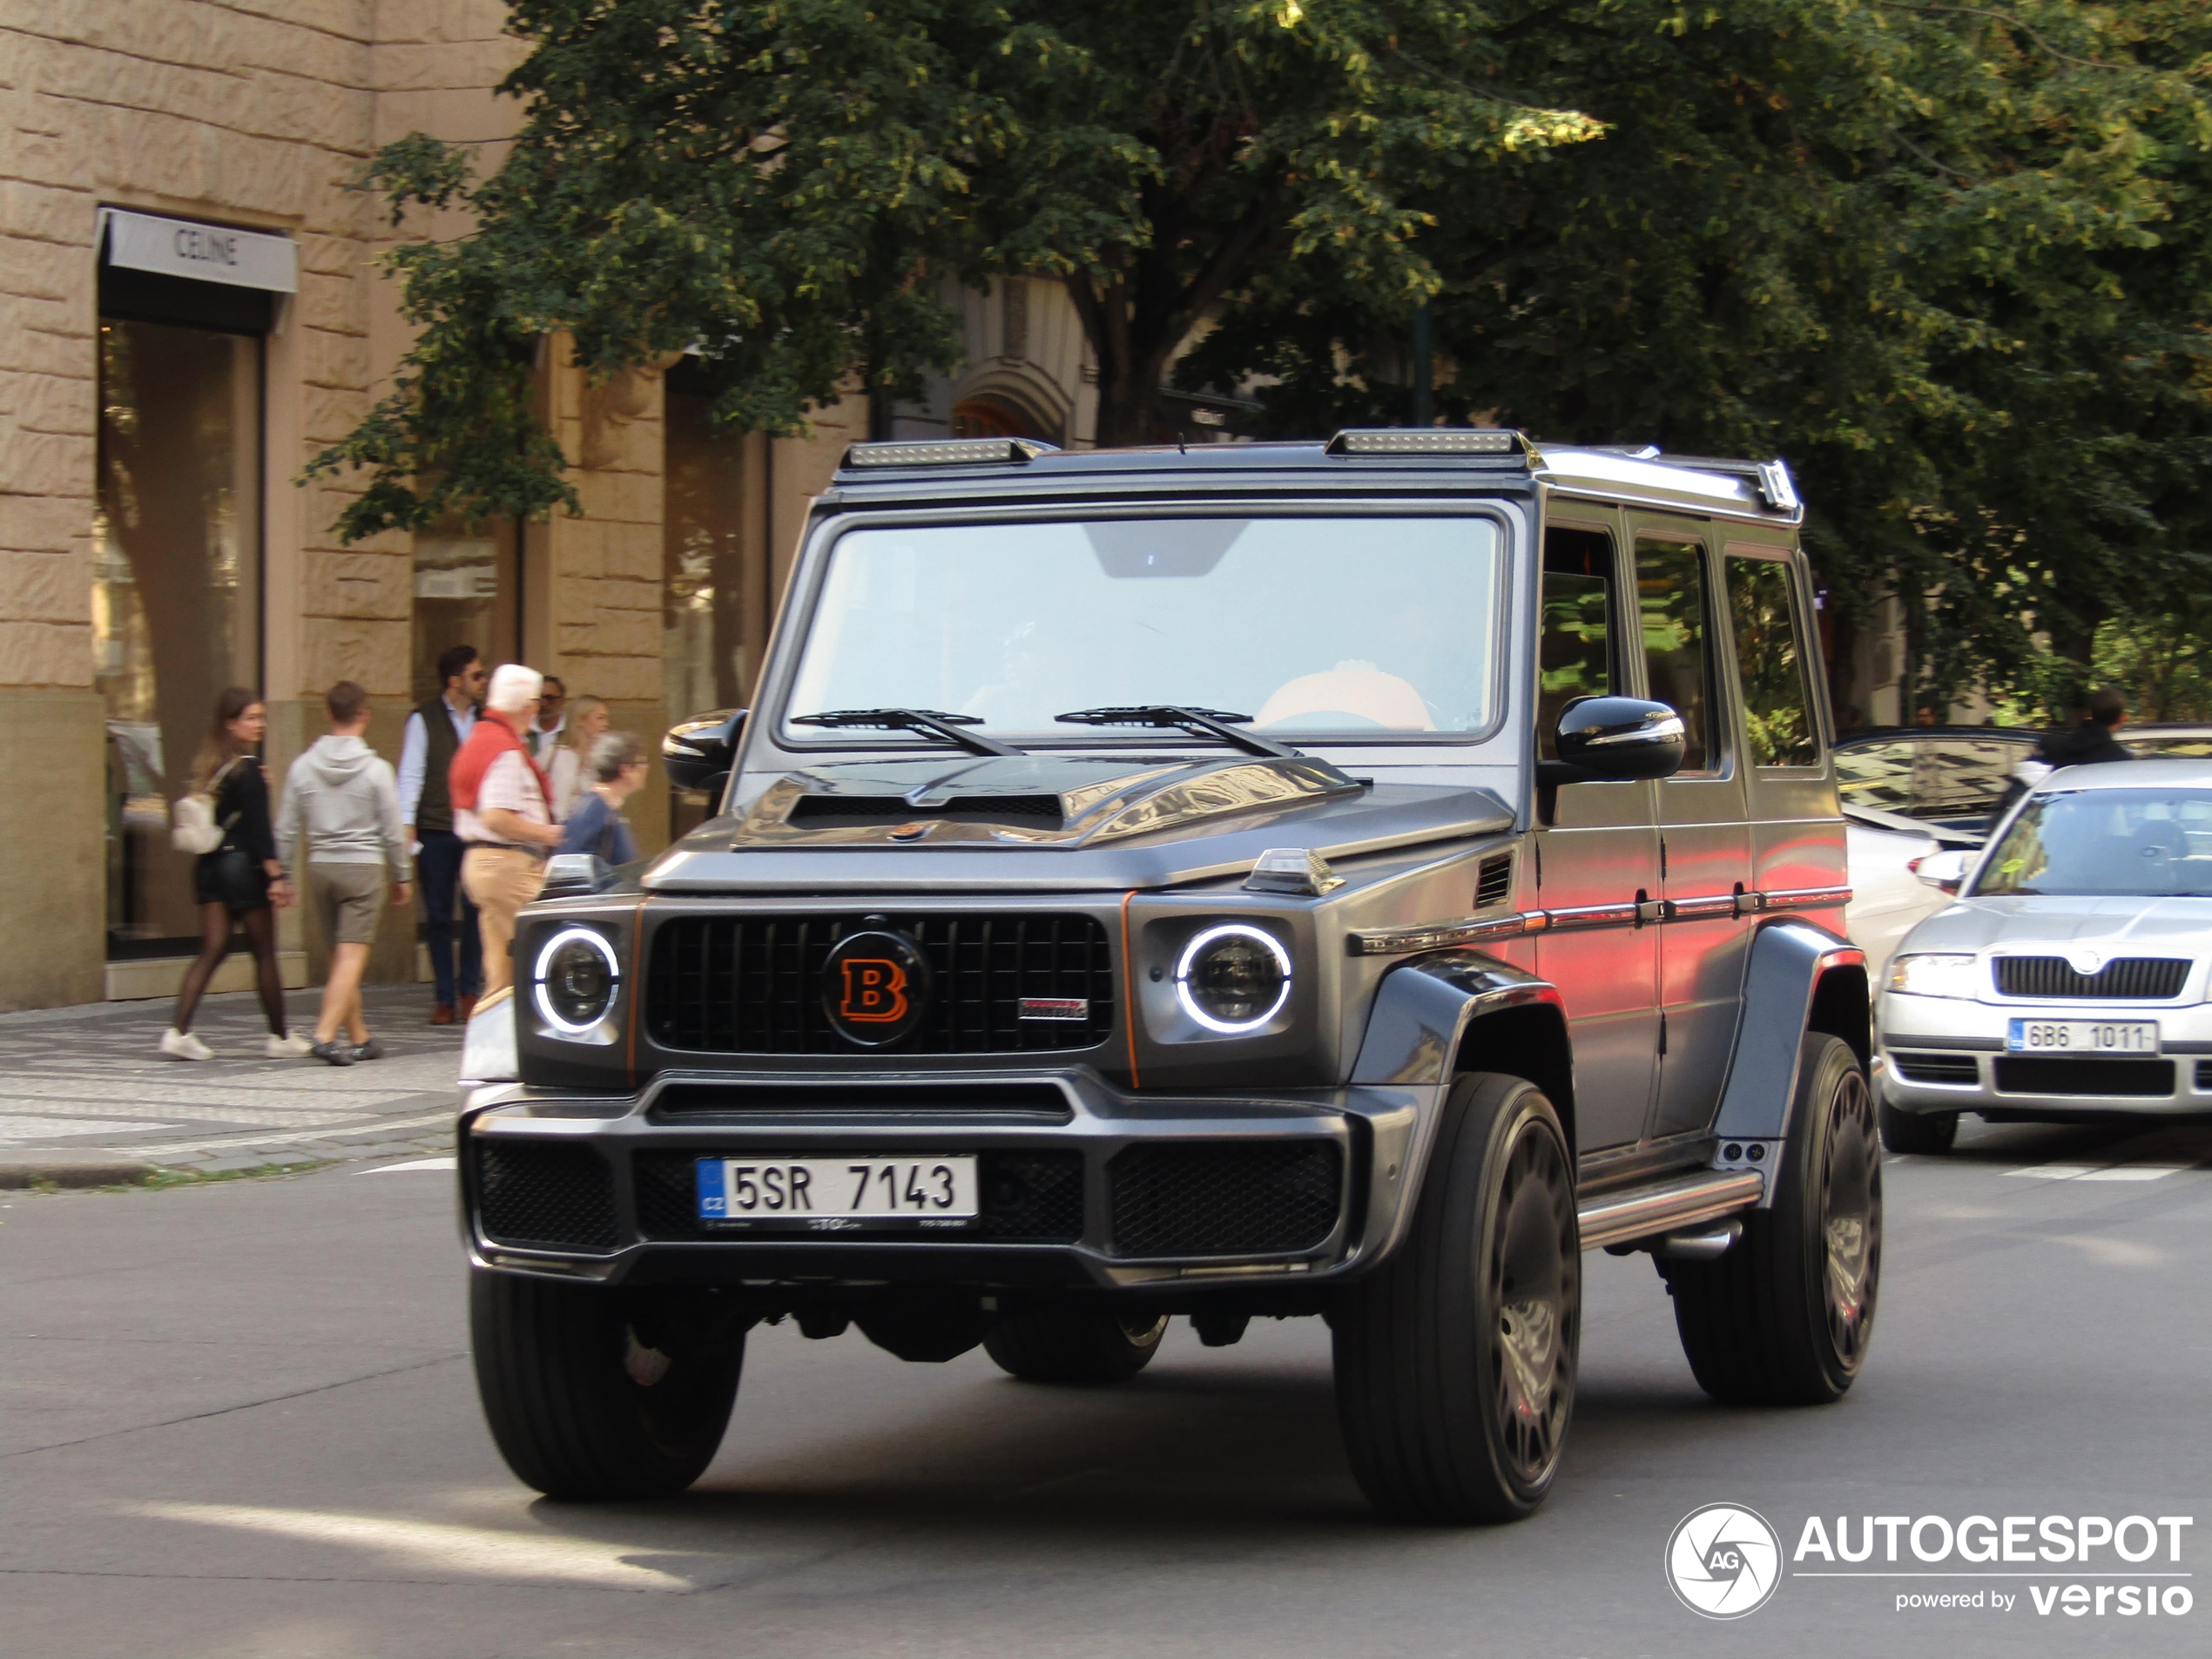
{"x":1619,"y":738}
{"x":697,"y":753}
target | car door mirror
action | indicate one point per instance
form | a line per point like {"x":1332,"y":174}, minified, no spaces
{"x":1945,"y":870}
{"x":699,"y":752}
{"x":1617,"y":738}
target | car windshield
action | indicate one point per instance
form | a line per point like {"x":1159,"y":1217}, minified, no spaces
{"x":2145,"y":843}
{"x":1314,"y":627}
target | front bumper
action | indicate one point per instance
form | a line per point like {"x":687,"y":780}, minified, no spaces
{"x":1938,"y":1054}
{"x":1084,"y":1184}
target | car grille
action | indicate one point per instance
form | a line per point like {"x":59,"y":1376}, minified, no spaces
{"x":752,"y":984}
{"x":533,"y":1193}
{"x":1225,"y":1198}
{"x":1027,"y":1197}
{"x":2035,"y":1075}
{"x":1936,"y":1068}
{"x":2135,"y":978}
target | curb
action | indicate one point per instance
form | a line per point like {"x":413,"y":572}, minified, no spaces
{"x":74,"y":1172}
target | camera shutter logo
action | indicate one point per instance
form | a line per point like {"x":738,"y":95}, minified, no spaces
{"x":875,"y":988}
{"x":1723,"y":1561}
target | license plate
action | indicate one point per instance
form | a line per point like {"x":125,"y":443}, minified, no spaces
{"x":836,"y":1191}
{"x":2082,"y":1037}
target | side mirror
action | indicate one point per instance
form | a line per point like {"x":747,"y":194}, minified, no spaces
{"x":699,"y":752}
{"x":1618,"y":739}
{"x":1945,"y":870}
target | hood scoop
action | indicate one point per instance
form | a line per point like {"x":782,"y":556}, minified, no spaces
{"x":1040,"y":811}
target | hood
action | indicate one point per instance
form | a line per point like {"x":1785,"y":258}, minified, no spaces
{"x":1058,"y":821}
{"x":2152,"y":927}
{"x":335,"y":760}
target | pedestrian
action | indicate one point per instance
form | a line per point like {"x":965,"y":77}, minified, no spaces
{"x":2090,"y":740}
{"x":618,"y":766}
{"x":504,"y":811}
{"x":434,"y":732}
{"x":547,"y":730}
{"x":240,"y":884}
{"x":340,"y":813}
{"x":567,"y":770}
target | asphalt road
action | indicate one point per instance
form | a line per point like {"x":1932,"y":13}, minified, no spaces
{"x":237,"y":1419}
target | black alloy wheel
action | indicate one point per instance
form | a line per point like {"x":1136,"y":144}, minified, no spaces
{"x":1929,"y":1133}
{"x":1456,"y":1360}
{"x":1084,"y":1346}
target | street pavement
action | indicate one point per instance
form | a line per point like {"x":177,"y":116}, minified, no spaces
{"x":238,"y":1419}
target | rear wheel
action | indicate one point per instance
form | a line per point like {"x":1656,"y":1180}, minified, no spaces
{"x":1918,"y":1131}
{"x":1083,"y":1345}
{"x":591,"y":1393}
{"x":1456,"y":1360}
{"x":1785,"y":1318}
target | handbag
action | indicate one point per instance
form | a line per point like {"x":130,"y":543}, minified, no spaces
{"x":193,"y":826}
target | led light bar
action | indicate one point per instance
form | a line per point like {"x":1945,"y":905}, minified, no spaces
{"x":949,"y":452}
{"x":1429,"y":440}
{"x":1775,"y":484}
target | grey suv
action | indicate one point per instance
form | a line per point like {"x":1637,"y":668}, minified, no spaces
{"x":1349,"y":879}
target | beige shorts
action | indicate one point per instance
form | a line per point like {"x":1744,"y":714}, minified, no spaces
{"x":348,"y":897}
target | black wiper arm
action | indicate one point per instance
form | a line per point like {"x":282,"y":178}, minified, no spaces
{"x":1213,"y":723}
{"x":929,"y":721}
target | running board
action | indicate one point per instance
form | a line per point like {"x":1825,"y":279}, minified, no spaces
{"x":1645,"y":1212}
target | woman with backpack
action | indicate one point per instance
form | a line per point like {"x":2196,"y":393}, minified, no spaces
{"x":237,"y":880}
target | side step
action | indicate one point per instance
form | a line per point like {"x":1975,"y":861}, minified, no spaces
{"x":1644,"y":1212}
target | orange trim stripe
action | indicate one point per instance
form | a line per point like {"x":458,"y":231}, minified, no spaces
{"x":1128,"y":999}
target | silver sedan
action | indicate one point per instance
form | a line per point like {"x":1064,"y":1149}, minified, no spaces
{"x":2068,"y":978}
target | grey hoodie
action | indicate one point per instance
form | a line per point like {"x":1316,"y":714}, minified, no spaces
{"x":340,"y":793}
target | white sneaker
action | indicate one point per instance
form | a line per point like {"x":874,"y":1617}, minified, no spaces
{"x":182,"y":1045}
{"x":287,"y":1048}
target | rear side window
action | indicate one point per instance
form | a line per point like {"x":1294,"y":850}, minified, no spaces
{"x":1670,"y":593}
{"x":1770,"y":663}
{"x":1945,"y":777}
{"x":1575,"y":656}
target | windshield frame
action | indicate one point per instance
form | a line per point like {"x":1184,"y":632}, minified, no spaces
{"x":772,"y":716}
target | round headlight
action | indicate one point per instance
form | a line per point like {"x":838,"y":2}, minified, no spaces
{"x":1233,"y":979}
{"x":576,"y":977}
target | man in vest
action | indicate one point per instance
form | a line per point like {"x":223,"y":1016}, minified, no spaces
{"x":435,"y":733}
{"x":503,"y":811}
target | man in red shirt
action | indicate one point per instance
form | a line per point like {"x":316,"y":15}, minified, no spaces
{"x":503,"y":811}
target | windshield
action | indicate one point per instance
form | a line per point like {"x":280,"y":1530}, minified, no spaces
{"x":1303,"y":627}
{"x":2146,"y":843}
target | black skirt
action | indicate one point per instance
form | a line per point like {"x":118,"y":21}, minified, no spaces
{"x":230,"y":877}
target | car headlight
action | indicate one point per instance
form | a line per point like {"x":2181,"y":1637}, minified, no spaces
{"x":577,"y":974}
{"x":1233,"y":979}
{"x":1936,"y":975}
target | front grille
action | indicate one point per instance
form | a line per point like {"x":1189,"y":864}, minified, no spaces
{"x":2142,"y":978}
{"x":1027,"y":1197}
{"x":1494,"y":882}
{"x":752,"y":984}
{"x":2035,"y":1075}
{"x":1031,"y":811}
{"x":1936,"y":1068}
{"x":1249,"y":1198}
{"x":538,"y":1193}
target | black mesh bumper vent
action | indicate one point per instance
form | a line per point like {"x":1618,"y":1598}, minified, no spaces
{"x":2034,"y":1074}
{"x":542,"y":1194}
{"x":1027,"y":1198}
{"x":1937,"y":1068}
{"x":752,"y":984}
{"x":1255,"y":1198}
{"x":2146,"y":979}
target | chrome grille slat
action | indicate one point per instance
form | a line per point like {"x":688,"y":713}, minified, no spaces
{"x":2132,"y":978}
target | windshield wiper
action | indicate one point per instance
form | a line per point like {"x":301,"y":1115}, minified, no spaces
{"x":930,"y":722}
{"x":1212,"y":722}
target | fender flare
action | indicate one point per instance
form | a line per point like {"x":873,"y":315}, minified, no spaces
{"x":1791,"y":961}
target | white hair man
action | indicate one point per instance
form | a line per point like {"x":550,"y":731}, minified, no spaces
{"x":502,"y":811}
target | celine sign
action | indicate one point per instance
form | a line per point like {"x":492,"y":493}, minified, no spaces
{"x":181,"y":247}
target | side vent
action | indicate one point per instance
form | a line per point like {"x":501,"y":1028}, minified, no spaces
{"x":1493,"y":883}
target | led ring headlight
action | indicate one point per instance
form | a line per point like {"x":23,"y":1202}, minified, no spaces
{"x":576,"y":977}
{"x":1233,"y":979}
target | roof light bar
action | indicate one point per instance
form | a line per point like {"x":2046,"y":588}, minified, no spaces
{"x":1428,"y":440}
{"x":1775,"y":484}
{"x":949,"y":452}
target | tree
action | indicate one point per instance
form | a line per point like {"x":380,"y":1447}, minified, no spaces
{"x":786,"y":189}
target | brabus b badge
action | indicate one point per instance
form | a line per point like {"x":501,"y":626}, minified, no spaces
{"x":875,"y":988}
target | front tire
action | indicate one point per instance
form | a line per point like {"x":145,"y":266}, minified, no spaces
{"x":1084,"y":1346}
{"x":596,"y":1393}
{"x":1929,"y":1133}
{"x":1456,"y":1360}
{"x":1785,"y":1318}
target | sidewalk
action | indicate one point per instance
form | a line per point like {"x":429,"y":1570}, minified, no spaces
{"x":87,"y":1086}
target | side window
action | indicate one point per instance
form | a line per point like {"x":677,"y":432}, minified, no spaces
{"x":1670,"y":594}
{"x":1574,"y":648}
{"x":1770,"y":665}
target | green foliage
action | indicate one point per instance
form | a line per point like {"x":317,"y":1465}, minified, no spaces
{"x":790,"y":188}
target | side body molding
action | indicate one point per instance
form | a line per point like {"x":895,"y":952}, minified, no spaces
{"x":1789,"y":959}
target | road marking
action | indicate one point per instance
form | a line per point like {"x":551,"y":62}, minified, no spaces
{"x":413,"y":1163}
{"x":29,"y":1131}
{"x":2100,"y":1171}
